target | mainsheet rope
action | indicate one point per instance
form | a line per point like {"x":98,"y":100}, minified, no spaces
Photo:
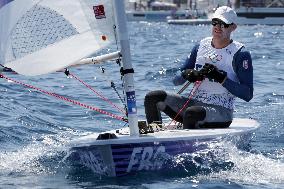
{"x":66,"y":99}
{"x":191,"y":94}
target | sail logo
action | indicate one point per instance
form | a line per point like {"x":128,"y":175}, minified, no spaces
{"x":99,"y":11}
{"x":146,"y":158}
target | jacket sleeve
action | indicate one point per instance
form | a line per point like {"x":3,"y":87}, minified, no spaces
{"x":189,"y":63}
{"x":242,"y":65}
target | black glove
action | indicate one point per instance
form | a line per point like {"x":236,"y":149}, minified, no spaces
{"x":212,"y":72}
{"x":192,"y":75}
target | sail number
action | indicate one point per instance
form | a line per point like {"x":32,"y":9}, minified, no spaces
{"x":146,"y":158}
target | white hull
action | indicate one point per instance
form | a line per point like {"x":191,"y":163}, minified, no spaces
{"x":260,"y":15}
{"x":189,"y":21}
{"x":126,"y":154}
{"x":246,"y":16}
{"x":156,"y":16}
{"x":263,"y":21}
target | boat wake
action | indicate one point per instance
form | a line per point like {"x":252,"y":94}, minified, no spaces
{"x":249,"y":167}
{"x":42,"y":156}
{"x":221,"y":160}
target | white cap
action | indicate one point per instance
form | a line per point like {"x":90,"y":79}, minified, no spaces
{"x":226,"y":14}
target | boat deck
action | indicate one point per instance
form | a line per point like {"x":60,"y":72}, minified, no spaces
{"x":238,"y":126}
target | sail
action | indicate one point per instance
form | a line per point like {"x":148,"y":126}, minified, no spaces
{"x":43,"y":36}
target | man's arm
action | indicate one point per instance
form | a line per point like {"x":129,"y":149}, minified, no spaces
{"x":188,"y":64}
{"x":243,"y":67}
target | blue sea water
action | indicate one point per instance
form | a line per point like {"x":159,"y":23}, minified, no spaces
{"x":35,"y":129}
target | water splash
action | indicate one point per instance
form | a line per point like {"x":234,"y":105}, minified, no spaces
{"x":249,"y":168}
{"x":39,"y":157}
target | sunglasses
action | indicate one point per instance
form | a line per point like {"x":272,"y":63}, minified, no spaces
{"x":220,"y":23}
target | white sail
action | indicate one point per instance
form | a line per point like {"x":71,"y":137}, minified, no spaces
{"x":43,"y":36}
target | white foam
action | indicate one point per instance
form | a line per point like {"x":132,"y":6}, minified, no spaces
{"x":249,"y":168}
{"x":28,"y":159}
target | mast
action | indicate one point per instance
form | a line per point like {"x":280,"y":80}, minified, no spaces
{"x":120,"y":16}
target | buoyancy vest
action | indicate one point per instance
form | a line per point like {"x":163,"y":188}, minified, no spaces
{"x":209,"y":91}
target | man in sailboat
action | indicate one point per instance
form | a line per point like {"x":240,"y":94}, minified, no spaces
{"x":221,"y":69}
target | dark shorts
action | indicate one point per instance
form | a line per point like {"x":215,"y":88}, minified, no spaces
{"x":214,"y":113}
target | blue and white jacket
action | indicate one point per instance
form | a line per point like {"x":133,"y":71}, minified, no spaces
{"x":231,"y":59}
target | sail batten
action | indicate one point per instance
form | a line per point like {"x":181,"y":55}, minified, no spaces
{"x":50,"y":35}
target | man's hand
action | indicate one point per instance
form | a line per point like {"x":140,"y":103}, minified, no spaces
{"x":192,"y":75}
{"x":212,"y":72}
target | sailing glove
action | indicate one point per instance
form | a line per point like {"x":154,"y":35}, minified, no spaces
{"x":212,"y":72}
{"x":192,"y":75}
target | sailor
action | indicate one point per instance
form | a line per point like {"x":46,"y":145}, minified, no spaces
{"x":223,"y":70}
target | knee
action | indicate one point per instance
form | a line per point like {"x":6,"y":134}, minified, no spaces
{"x":195,"y":113}
{"x":155,"y":96}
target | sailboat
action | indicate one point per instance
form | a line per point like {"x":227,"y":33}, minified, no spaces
{"x":269,"y":12}
{"x":44,"y":36}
